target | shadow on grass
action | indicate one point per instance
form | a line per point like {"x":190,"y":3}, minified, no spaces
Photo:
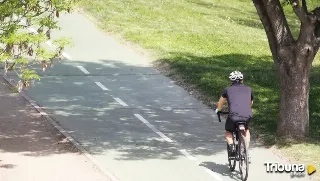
{"x":250,"y":17}
{"x":208,"y":76}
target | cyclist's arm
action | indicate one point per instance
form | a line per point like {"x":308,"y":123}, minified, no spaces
{"x":222,"y":100}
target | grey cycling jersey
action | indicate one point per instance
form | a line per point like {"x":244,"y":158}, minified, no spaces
{"x":239,"y":97}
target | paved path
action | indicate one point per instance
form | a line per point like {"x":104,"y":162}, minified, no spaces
{"x":31,"y":149}
{"x":134,"y":121}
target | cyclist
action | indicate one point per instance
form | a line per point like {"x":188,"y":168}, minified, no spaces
{"x":240,"y":100}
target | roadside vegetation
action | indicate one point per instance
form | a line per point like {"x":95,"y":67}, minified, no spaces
{"x":199,"y":42}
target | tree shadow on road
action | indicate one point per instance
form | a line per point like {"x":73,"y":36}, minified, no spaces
{"x":80,"y":102}
{"x":102,"y":125}
{"x":22,"y":129}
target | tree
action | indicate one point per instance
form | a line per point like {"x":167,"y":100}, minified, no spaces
{"x":293,"y":59}
{"x":25,"y":25}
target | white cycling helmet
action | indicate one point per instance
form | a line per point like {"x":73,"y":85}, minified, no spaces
{"x":235,"y":75}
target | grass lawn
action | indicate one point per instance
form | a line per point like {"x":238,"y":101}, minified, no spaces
{"x":202,"y":41}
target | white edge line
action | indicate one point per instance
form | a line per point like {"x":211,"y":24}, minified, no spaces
{"x":101,"y":86}
{"x":153,"y":128}
{"x":120,"y":101}
{"x":83,"y":69}
{"x":67,"y":135}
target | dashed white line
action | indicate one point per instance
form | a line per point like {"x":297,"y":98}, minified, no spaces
{"x":101,"y":86}
{"x":120,"y":101}
{"x":63,"y":53}
{"x":153,"y":128}
{"x":50,"y":44}
{"x":66,"y":56}
{"x":185,"y":153}
{"x":83,"y":69}
{"x":104,"y":170}
{"x":33,"y":30}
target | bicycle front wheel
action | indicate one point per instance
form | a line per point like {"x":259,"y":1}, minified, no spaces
{"x":243,"y":158}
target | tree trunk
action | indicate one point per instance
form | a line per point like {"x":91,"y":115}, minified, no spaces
{"x":293,"y":59}
{"x":294,"y":70}
{"x":294,"y":105}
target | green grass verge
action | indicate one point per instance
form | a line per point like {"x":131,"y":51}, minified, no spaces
{"x":202,"y":41}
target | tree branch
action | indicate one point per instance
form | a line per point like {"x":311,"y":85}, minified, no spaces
{"x":278,"y":22}
{"x":263,"y":15}
{"x":315,"y":15}
{"x":300,"y":8}
{"x":304,"y":6}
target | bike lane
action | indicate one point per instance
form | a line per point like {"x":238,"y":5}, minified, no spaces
{"x":133,"y":120}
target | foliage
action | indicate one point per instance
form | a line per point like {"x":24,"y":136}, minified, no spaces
{"x":25,"y":25}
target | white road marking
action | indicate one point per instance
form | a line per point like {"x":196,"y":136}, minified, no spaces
{"x":101,"y":86}
{"x":103,"y":169}
{"x":66,"y":56}
{"x":83,"y":69}
{"x":185,"y":153}
{"x":153,"y":128}
{"x":120,"y":101}
{"x":50,"y":44}
{"x":33,"y":30}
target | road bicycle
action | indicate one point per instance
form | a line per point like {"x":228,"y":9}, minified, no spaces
{"x":241,"y":149}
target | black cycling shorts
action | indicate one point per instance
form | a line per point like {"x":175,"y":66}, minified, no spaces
{"x":231,"y":123}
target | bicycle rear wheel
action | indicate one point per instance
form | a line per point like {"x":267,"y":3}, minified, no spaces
{"x":243,"y":158}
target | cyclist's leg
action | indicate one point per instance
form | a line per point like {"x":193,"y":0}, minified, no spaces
{"x":247,"y":135}
{"x":229,"y":127}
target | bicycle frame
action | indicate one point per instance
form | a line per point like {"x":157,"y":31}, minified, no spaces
{"x":240,"y":128}
{"x":239,"y":131}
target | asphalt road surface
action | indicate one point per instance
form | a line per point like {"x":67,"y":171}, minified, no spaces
{"x":134,"y":121}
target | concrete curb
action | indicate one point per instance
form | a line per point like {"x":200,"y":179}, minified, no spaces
{"x":110,"y":176}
